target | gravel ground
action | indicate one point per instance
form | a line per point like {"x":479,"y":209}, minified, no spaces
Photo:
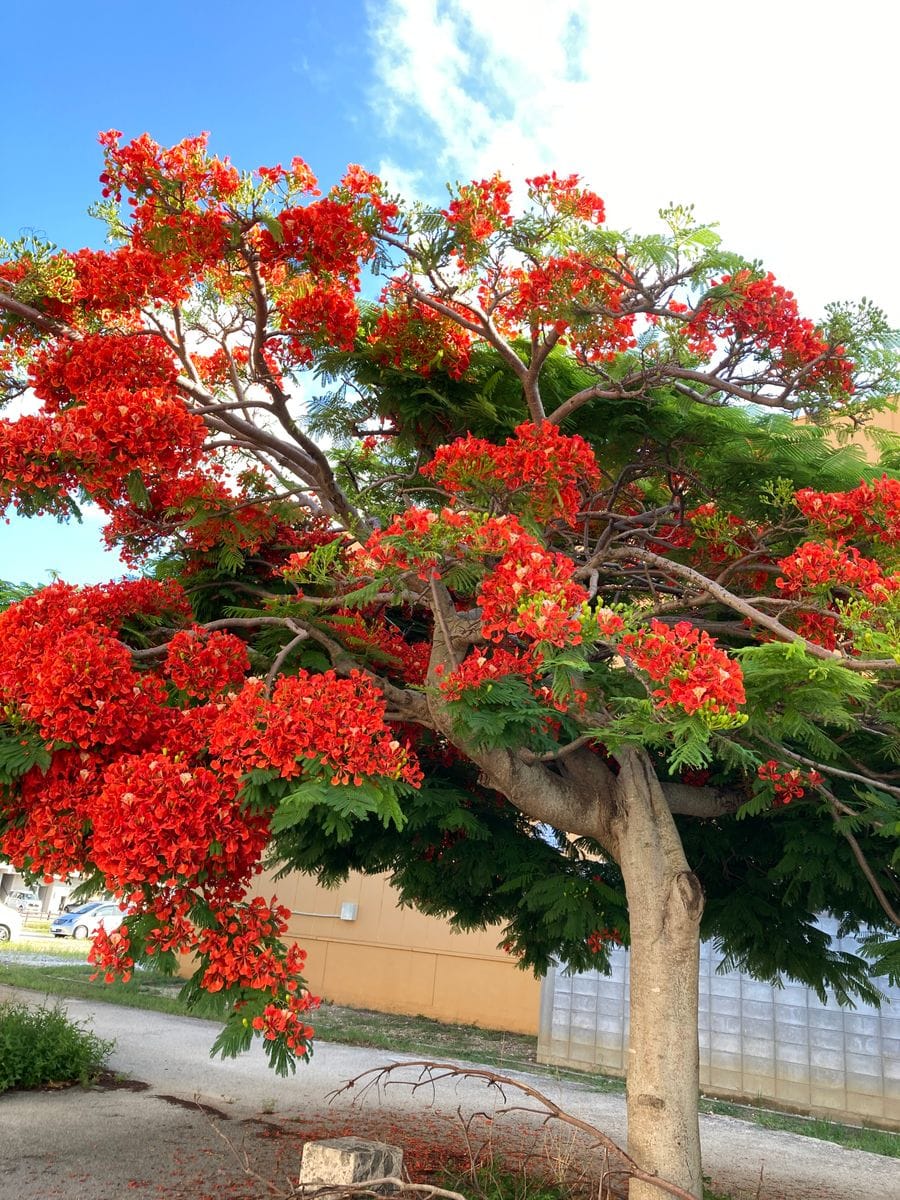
{"x":176,"y":1125}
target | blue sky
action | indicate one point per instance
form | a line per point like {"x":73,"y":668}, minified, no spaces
{"x":777,"y":121}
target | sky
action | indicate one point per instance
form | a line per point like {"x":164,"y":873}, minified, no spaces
{"x":777,"y":120}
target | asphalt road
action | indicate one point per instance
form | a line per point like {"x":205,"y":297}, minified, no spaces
{"x":156,"y":1143}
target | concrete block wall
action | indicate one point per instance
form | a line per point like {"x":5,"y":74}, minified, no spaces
{"x":758,"y":1043}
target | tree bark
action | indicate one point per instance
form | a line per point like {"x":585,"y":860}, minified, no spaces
{"x":665,"y":903}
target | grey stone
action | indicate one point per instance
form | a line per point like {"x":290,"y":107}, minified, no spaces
{"x":348,"y":1160}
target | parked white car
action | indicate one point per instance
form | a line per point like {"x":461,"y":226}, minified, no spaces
{"x":24,"y":901}
{"x":10,"y":923}
{"x":85,"y":921}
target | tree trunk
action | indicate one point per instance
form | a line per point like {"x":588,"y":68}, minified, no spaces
{"x":665,"y":903}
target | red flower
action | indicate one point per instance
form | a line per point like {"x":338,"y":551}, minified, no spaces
{"x":697,"y":676}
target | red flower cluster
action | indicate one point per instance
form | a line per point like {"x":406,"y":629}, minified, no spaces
{"x":240,"y":948}
{"x":413,"y":337}
{"x":312,"y":723}
{"x":601,"y":938}
{"x":482,"y":670}
{"x":818,"y":628}
{"x":70,"y":369}
{"x":159,"y":822}
{"x":110,"y":408}
{"x":833,"y":565}
{"x":788,"y":783}
{"x":870,"y":510}
{"x":478,"y":669}
{"x":363,"y":633}
{"x":480,"y":210}
{"x":360,"y":183}
{"x":698,"y":676}
{"x":410,"y":543}
{"x":531,"y":592}
{"x":609,"y":623}
{"x":757,"y":311}
{"x":214,"y":368}
{"x":208,"y":515}
{"x":66,"y":672}
{"x":148,"y":170}
{"x":298,"y":179}
{"x":570,"y":294}
{"x":315,"y":315}
{"x":283,"y":1021}
{"x":206,"y":664}
{"x":322,"y":238}
{"x":152,"y":794}
{"x":111,"y":954}
{"x":542,"y":469}
{"x":179,"y":201}
{"x":715,"y":536}
{"x":567,"y":196}
{"x":53,"y":837}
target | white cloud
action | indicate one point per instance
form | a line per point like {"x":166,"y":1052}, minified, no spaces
{"x":409,"y":183}
{"x":777,"y":120}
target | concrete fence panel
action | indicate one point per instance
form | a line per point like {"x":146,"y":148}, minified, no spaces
{"x":758,"y":1043}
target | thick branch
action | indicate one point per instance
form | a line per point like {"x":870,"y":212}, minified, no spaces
{"x":705,"y":803}
{"x":35,"y":317}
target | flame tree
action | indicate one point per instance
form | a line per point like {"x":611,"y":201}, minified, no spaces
{"x":517,"y":582}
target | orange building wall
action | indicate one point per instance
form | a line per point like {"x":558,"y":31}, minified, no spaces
{"x":889,"y":420}
{"x":394,"y":959}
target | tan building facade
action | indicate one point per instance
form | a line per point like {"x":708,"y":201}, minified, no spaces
{"x":366,"y":951}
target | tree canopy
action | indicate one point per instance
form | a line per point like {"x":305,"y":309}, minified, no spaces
{"x":515,"y":578}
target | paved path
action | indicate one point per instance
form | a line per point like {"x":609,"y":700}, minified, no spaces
{"x":156,"y":1144}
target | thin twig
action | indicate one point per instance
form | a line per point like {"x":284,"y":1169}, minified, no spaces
{"x":280,"y":657}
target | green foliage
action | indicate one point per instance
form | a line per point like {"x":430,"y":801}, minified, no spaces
{"x":467,"y":855}
{"x":236,"y":1037}
{"x":40,"y":1046}
{"x":493,"y":1181}
{"x":341,"y":805}
{"x":502,"y":712}
{"x":768,"y":878}
{"x":795,"y":698}
{"x":12,"y":593}
{"x":21,"y":748}
{"x":137,"y":490}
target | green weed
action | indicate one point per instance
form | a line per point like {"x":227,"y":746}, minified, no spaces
{"x":41,"y":1046}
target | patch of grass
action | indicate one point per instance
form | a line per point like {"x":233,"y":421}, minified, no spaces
{"x":433,"y":1039}
{"x":36,"y":925}
{"x":495,"y":1183}
{"x":709,"y":1193}
{"x":48,"y":948}
{"x":875,"y":1141}
{"x":425,"y":1036}
{"x":40,"y":1046}
{"x":146,"y":989}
